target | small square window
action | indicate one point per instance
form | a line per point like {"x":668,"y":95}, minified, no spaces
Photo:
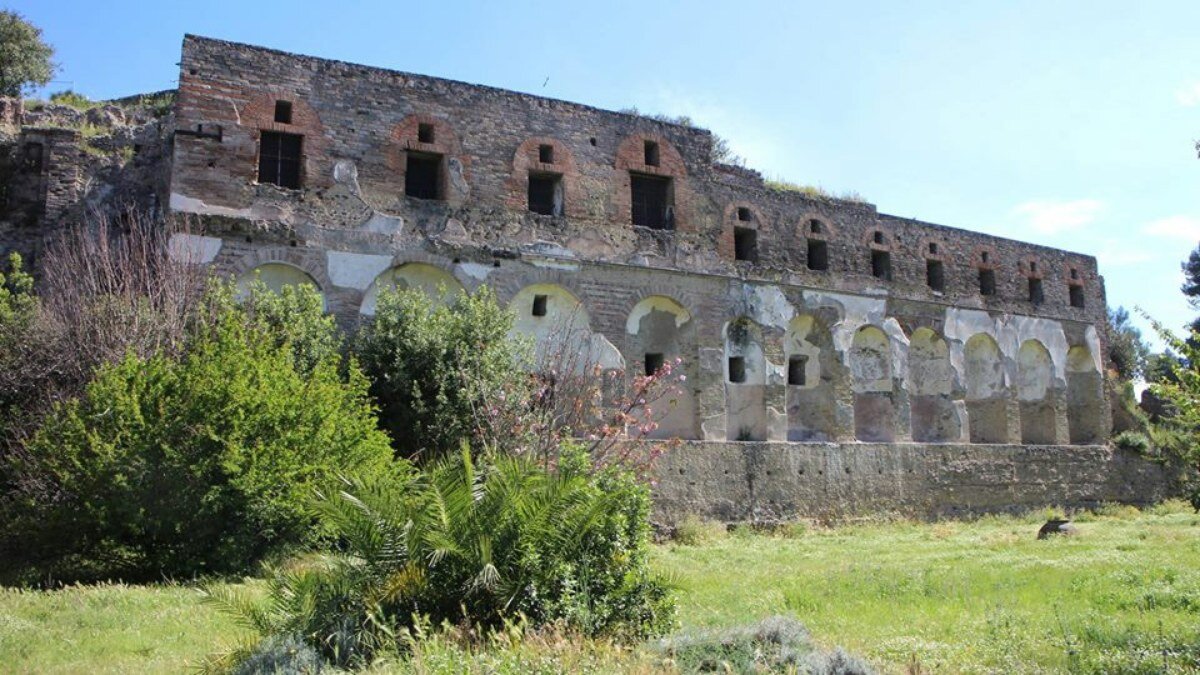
{"x":546,"y":154}
{"x":1074,"y":273}
{"x":425,"y":133}
{"x":745,"y":244}
{"x":878,"y":237}
{"x":1036,"y":296}
{"x":881,"y":265}
{"x":653,"y":363}
{"x":933,"y":249}
{"x":743,"y":214}
{"x":545,"y":194}
{"x":987,"y":282}
{"x":539,"y":305}
{"x":283,"y":112}
{"x":650,"y":152}
{"x":1077,"y":296}
{"x":1033,"y":266}
{"x":935,"y":276}
{"x":797,"y":365}
{"x":983,"y":256}
{"x":422,"y":176}
{"x":737,"y":369}
{"x":814,"y":226}
{"x":818,"y":255}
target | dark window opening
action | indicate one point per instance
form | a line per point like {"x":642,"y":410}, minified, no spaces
{"x":283,"y":112}
{"x":422,"y":176}
{"x":653,"y":363}
{"x":1032,"y":266}
{"x":539,"y":305}
{"x":1074,"y":273}
{"x":796,"y":367}
{"x":935,"y":275}
{"x":1036,"y":296}
{"x":546,"y":154}
{"x":650,"y":197}
{"x":743,"y":214}
{"x":881,"y":265}
{"x":737,"y":369}
{"x":32,"y":160}
{"x":279,"y":159}
{"x":818,"y":255}
{"x":984,"y":256}
{"x":650,"y":152}
{"x":933,"y":249}
{"x":545,"y":194}
{"x":878,"y":237}
{"x":814,"y":226}
{"x":1077,"y":296}
{"x":987,"y":282}
{"x":745,"y":244}
{"x":425,"y":132}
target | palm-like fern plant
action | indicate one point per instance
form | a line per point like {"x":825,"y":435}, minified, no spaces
{"x":475,"y":540}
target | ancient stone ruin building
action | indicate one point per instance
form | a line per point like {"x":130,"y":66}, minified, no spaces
{"x":838,"y":358}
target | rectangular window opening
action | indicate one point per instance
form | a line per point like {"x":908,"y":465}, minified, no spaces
{"x":653,"y":363}
{"x":743,"y":214}
{"x":425,"y":133}
{"x":1036,"y":296}
{"x":650,"y":151}
{"x":878,"y":237}
{"x":935,"y":275}
{"x":539,"y":305}
{"x":737,"y":369}
{"x":650,"y":198}
{"x":422,"y":176}
{"x":546,"y":154}
{"x":987,"y":282}
{"x":818,"y":255}
{"x":279,"y":159}
{"x":881,"y":265}
{"x":745,"y":244}
{"x":1077,"y":296}
{"x":545,"y":194}
{"x":796,"y":370}
{"x":33,"y":154}
{"x":283,"y":112}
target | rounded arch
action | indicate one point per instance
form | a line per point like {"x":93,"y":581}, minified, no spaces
{"x":436,"y":282}
{"x":1035,"y":383}
{"x":987,"y":396}
{"x":660,"y":331}
{"x":276,"y":276}
{"x":1085,"y":397}
{"x":745,"y":381}
{"x":871,"y":360}
{"x":934,"y":416}
{"x":811,"y":364}
{"x":558,"y":323}
{"x":546,"y":156}
{"x":656,"y":303}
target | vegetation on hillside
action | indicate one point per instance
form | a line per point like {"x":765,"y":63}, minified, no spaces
{"x":25,"y":58}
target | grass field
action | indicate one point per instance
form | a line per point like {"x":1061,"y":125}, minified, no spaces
{"x":978,"y":596}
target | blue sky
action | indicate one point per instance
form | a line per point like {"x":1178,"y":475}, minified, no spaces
{"x":1067,"y":123}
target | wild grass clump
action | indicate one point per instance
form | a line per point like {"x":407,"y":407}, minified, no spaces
{"x":813,"y":191}
{"x":1132,"y":441}
{"x":72,"y":99}
{"x":696,"y":531}
{"x":774,"y":645}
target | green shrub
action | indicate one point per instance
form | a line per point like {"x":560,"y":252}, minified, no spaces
{"x":476,"y":544}
{"x":435,"y":369}
{"x":72,"y":99}
{"x":294,"y":315}
{"x":774,"y":645}
{"x":183,"y":466}
{"x":1132,"y":441}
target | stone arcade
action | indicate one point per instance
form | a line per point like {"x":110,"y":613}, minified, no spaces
{"x":838,"y":359}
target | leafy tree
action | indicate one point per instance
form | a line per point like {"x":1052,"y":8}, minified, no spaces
{"x":1191,"y":278}
{"x":433,"y":368}
{"x":25,"y":59}
{"x":1127,"y":351}
{"x":185,"y":465}
{"x":1181,"y":391}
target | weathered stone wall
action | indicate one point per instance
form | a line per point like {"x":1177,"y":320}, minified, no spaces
{"x":769,"y":482}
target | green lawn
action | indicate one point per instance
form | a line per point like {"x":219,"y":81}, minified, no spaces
{"x":982,"y":596}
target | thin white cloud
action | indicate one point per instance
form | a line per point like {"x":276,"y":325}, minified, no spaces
{"x":1175,"y":227}
{"x":1113,"y":255}
{"x":1189,"y":96}
{"x":1048,"y":217}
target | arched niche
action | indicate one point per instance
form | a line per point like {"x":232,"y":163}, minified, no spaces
{"x":559,"y":326}
{"x":987,"y":397}
{"x":935,"y":417}
{"x":871,"y":380}
{"x":745,"y":382}
{"x":1035,"y":392}
{"x":436,"y":282}
{"x":1085,"y":398}
{"x":659,"y":330}
{"x":276,"y":276}
{"x":811,"y":362}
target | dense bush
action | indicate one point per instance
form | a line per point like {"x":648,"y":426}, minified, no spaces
{"x":477,"y":543}
{"x":200,"y":463}
{"x":434,"y":369}
{"x":774,"y":645}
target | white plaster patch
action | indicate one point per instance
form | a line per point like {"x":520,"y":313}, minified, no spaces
{"x":554,"y":265}
{"x":193,"y":248}
{"x":549,"y":248}
{"x":1093,"y":342}
{"x":379,"y":223}
{"x":770,"y":307}
{"x":476,"y":270}
{"x":186,"y":204}
{"x":856,"y":311}
{"x":355,"y":270}
{"x":652,"y":303}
